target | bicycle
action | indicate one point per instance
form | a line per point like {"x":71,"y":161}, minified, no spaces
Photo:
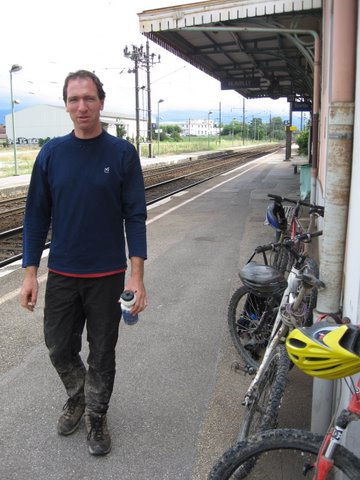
{"x":282,"y":260}
{"x":254,"y":306}
{"x":297,"y":454}
{"x":285,"y":219}
{"x":264,"y":395}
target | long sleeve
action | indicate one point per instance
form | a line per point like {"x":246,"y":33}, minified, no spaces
{"x":37,"y":214}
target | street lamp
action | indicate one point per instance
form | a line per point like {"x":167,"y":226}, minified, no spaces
{"x":208,"y":128}
{"x":158,"y":125}
{"x":15,"y":68}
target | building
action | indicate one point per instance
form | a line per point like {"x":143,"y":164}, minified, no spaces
{"x":198,"y":128}
{"x":307,"y":51}
{"x":42,"y":121}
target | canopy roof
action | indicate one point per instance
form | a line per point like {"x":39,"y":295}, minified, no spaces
{"x":257,"y":48}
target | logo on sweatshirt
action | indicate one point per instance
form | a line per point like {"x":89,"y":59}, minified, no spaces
{"x":107,"y":170}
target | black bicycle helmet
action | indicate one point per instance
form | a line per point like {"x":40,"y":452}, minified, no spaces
{"x":263,"y":280}
{"x":275,"y":215}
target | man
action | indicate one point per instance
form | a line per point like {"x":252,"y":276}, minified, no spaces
{"x":88,"y":186}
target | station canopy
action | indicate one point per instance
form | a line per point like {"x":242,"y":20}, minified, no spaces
{"x":259,"y":48}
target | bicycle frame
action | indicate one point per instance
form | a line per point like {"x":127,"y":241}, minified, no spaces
{"x":280,"y":329}
{"x":324,"y":462}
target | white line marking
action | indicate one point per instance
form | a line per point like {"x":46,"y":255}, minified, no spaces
{"x":15,"y":293}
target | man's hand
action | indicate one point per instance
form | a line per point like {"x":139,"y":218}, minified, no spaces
{"x":29,"y":289}
{"x":136,"y":284}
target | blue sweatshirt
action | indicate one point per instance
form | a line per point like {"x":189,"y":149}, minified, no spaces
{"x":89,"y":191}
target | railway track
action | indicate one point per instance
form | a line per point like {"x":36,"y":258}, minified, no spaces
{"x":160,"y":182}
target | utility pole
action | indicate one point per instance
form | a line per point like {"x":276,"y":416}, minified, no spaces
{"x":144,"y":59}
{"x":243,"y":121}
{"x":219,"y":123}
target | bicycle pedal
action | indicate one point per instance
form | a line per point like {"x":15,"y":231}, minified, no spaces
{"x":237,"y":368}
{"x":307,"y":468}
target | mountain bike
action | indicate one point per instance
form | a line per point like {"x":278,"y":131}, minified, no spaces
{"x":270,"y":307}
{"x":264,"y":395}
{"x":286,"y":219}
{"x":294,"y":454}
{"x":254,"y":306}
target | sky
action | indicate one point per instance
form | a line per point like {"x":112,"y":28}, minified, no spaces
{"x":50,"y":38}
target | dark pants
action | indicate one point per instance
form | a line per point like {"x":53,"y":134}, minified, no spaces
{"x":69,"y":303}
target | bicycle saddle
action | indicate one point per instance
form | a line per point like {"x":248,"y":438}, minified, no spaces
{"x":263,"y":280}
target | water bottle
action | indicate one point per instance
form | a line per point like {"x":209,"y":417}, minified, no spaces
{"x":127,"y":300}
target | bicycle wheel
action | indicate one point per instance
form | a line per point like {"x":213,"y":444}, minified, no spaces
{"x":250,"y":319}
{"x":263,"y":409}
{"x":262,"y":412}
{"x":282,"y":455}
{"x":281,"y":259}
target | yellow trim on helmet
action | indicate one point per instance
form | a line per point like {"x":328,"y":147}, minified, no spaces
{"x":324,"y":357}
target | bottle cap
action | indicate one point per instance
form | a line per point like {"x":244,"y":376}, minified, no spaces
{"x":127,"y":295}
{"x":127,"y":298}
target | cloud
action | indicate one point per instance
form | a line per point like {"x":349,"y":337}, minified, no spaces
{"x":50,"y":39}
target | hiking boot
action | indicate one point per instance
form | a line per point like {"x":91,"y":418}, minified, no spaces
{"x":98,"y":439}
{"x":70,"y":419}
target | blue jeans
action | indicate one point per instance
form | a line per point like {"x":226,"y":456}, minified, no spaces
{"x":71,"y":302}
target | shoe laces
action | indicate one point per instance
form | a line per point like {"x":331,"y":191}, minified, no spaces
{"x":69,"y":407}
{"x":96,"y":427}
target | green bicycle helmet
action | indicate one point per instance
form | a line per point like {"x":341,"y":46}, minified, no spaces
{"x":325,"y":350}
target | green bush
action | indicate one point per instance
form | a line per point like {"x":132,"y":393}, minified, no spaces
{"x":303,"y":142}
{"x":42,"y":141}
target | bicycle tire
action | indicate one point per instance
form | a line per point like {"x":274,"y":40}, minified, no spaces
{"x":281,"y":455}
{"x":262,"y":413}
{"x":281,"y":259}
{"x":244,"y":311}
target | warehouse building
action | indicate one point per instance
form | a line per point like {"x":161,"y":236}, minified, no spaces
{"x":42,"y":121}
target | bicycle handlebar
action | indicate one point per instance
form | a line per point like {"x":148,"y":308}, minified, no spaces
{"x":313,"y":208}
{"x":288,"y":243}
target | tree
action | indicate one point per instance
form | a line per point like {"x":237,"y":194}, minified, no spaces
{"x":120,"y":130}
{"x":303,"y":140}
{"x":171,"y":132}
{"x":42,"y":141}
{"x":256,"y":129}
{"x":277,"y":129}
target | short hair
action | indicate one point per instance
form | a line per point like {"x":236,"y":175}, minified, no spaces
{"x":84,"y":74}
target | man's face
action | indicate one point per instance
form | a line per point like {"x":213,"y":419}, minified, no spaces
{"x":84,"y":107}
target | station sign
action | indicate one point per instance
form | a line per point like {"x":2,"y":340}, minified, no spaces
{"x":233,"y":83}
{"x":301,"y":106}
